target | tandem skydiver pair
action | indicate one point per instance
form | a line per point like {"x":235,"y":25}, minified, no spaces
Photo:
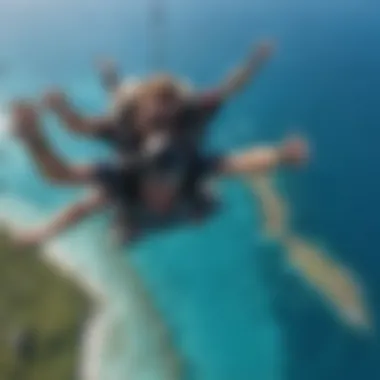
{"x":156,"y":127}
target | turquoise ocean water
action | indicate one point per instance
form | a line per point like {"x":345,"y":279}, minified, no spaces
{"x":234,"y":309}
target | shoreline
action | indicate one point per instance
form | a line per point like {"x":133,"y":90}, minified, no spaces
{"x":90,"y":342}
{"x":109,"y":311}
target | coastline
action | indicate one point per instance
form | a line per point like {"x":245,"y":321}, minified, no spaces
{"x":94,"y":330}
{"x":134,"y":312}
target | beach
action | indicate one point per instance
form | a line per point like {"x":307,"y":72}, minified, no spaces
{"x":126,"y":318}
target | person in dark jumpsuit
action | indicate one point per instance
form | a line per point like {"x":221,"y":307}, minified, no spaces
{"x":160,"y":108}
{"x":135,"y":184}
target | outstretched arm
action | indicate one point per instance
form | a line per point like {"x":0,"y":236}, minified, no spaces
{"x":64,"y":220}
{"x":209,"y":102}
{"x":74,"y":121}
{"x":261,"y":160}
{"x":242,"y":75}
{"x":26,"y":124}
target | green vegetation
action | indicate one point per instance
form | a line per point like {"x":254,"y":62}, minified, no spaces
{"x":41,"y":317}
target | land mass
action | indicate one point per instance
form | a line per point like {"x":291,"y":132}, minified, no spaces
{"x":42,"y":317}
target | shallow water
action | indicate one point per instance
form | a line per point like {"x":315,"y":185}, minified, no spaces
{"x":232,"y":307}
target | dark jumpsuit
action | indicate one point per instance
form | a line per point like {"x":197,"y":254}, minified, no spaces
{"x":121,"y":179}
{"x":187,"y":131}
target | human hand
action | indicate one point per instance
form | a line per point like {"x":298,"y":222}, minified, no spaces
{"x":105,"y":65}
{"x":264,"y":50}
{"x":30,"y":239}
{"x":54,"y":99}
{"x":294,"y":151}
{"x":24,"y":117}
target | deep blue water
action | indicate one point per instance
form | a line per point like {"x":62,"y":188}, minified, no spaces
{"x":234,"y":312}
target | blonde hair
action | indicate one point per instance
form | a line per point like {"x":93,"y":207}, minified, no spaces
{"x":134,"y":90}
{"x":160,"y":84}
